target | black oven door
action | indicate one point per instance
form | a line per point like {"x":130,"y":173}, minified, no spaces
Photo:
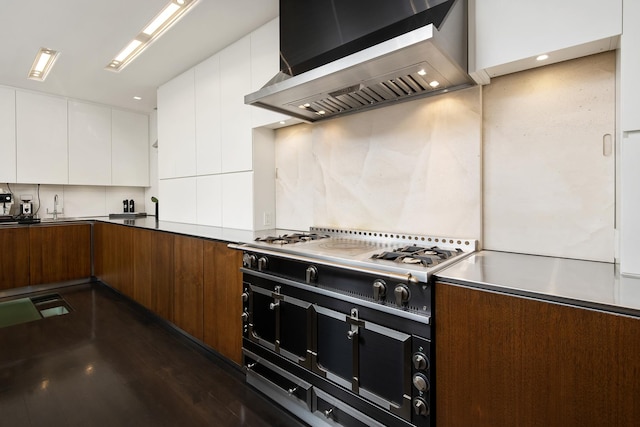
{"x":369,"y":359}
{"x":278,"y":321}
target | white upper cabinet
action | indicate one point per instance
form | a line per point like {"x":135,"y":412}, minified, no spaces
{"x":129,"y":148}
{"x":89,"y":144}
{"x":265,"y":63}
{"x":207,"y":116}
{"x":176,"y":127}
{"x":8,"y":134}
{"x":630,"y":69}
{"x":507,"y":36}
{"x":235,"y":117}
{"x":41,"y":123}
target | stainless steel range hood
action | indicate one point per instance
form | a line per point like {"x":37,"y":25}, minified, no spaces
{"x":423,"y":62}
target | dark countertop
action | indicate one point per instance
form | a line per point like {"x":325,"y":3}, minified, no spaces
{"x":588,"y":284}
{"x":230,"y":235}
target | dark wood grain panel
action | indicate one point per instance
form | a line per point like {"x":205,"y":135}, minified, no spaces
{"x":113,"y":247}
{"x":188,"y":285}
{"x":14,"y":257}
{"x":222,"y":300}
{"x":505,"y":361}
{"x":153,"y":271}
{"x":59,"y":253}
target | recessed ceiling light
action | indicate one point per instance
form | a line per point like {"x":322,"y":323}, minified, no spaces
{"x":168,"y":16}
{"x":434,"y":84}
{"x":422,"y":72}
{"x":542,"y":57}
{"x":45,"y":58}
{"x":282,"y":122}
{"x":137,"y":98}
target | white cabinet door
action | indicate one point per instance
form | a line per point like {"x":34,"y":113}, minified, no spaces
{"x":235,"y":117}
{"x":630,"y":204}
{"x":207,"y":110}
{"x":130,"y":148}
{"x":89,"y":144}
{"x":209,"y":200}
{"x":630,"y":68}
{"x":510,"y":34}
{"x":176,"y":127}
{"x":237,"y":200}
{"x":41,"y":123}
{"x":178,"y":200}
{"x":265,"y":63}
{"x":8,"y":134}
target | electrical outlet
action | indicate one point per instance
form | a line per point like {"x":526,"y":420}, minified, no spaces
{"x":266,"y":218}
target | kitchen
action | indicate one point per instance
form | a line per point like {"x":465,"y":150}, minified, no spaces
{"x":522,"y":131}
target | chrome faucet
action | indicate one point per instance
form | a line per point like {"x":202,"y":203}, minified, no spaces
{"x":55,"y":208}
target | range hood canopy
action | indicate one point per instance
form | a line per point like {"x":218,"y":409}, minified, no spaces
{"x":423,"y":62}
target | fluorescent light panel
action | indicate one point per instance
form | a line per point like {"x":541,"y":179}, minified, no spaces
{"x":44,"y":60}
{"x":169,"y":15}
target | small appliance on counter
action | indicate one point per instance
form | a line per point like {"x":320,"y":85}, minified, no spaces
{"x":26,"y":207}
{"x":128,"y":211}
{"x":7,"y":201}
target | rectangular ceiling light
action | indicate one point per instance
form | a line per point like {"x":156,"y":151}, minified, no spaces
{"x":169,"y":15}
{"x":45,"y":58}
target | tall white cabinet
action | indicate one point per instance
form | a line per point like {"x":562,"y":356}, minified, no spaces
{"x":41,"y":126}
{"x":630,"y":141}
{"x":8,"y":134}
{"x":202,"y":116}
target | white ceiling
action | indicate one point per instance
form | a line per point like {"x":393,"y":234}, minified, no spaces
{"x":89,"y":33}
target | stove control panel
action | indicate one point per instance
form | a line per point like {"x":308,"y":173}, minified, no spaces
{"x":422,"y":382}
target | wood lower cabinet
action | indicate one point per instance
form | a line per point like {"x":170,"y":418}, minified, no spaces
{"x":153,"y":259}
{"x":113,"y":259}
{"x":222,"y":300}
{"x":194,"y":283}
{"x":188,"y":285}
{"x":59,"y":253}
{"x":508,"y":361}
{"x":14,"y":258}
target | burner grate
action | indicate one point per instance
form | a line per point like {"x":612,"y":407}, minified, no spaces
{"x":291,"y":238}
{"x":418,"y":255}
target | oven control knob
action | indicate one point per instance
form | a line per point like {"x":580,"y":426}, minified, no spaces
{"x":379,"y":290}
{"x":420,"y":407}
{"x":311,"y":274}
{"x":245,"y":317}
{"x":420,"y":382}
{"x":420,"y":362}
{"x":402,"y":295}
{"x":249,"y":260}
{"x":262,"y":263}
{"x":245,"y":297}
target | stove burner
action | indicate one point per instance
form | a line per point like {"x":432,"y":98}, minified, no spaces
{"x":291,"y":238}
{"x":418,"y":255}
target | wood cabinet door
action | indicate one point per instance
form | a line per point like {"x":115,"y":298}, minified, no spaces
{"x":14,"y":261}
{"x":222,"y":300}
{"x":188,"y":285}
{"x":113,"y":247}
{"x":509,"y":361}
{"x":153,"y":271}
{"x":59,"y":253}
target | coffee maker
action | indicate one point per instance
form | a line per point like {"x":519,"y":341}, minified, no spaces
{"x":26,"y":207}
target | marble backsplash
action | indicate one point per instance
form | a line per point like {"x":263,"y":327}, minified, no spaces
{"x":517,"y":164}
{"x":413,"y":167}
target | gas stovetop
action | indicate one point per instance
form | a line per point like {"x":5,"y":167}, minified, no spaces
{"x":400,"y":253}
